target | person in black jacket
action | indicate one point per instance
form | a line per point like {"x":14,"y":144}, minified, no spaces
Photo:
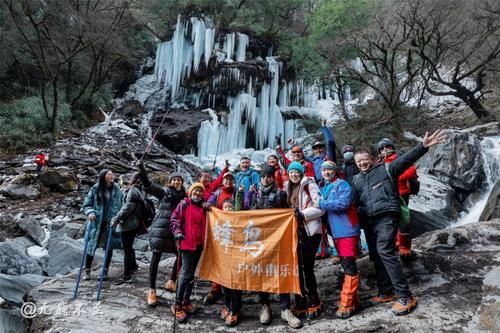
{"x":161,"y":238}
{"x":127,"y":222}
{"x":349,"y":168}
{"x":377,"y":199}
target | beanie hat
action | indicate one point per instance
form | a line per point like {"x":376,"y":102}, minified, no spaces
{"x":329,"y":165}
{"x":195,"y":185}
{"x":296,"y":166}
{"x":175,"y":175}
{"x":348,"y":147}
{"x":267,"y":171}
{"x":385,"y":142}
{"x":228,"y":174}
{"x":318,"y":144}
{"x":272,"y":155}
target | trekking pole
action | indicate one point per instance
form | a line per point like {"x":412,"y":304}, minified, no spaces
{"x":148,"y":148}
{"x":177,"y":284}
{"x":88,"y":227}
{"x":106,"y":254}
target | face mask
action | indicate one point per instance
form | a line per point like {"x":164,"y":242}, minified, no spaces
{"x":194,"y":199}
{"x":348,"y":155}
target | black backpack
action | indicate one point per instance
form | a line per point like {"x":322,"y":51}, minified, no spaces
{"x":147,"y":211}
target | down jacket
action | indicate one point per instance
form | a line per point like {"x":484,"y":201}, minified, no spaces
{"x":189,"y":219}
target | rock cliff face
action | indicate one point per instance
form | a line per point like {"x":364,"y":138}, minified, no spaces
{"x":455,"y":276}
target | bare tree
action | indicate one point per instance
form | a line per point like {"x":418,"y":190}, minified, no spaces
{"x":457,"y":42}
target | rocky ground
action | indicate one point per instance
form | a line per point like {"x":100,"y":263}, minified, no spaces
{"x":455,"y":275}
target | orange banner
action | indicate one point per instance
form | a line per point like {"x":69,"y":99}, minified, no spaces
{"x":253,"y":250}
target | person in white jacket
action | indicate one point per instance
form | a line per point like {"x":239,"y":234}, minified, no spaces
{"x":302,"y":194}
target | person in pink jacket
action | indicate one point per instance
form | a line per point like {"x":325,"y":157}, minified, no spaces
{"x":188,"y":224}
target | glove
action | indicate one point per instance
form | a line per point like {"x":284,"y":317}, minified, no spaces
{"x":179,"y":237}
{"x":299,"y":215}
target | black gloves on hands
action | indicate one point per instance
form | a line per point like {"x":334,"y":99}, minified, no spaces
{"x":179,"y":237}
{"x":299,"y":215}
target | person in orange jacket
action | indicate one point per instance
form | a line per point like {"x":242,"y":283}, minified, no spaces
{"x":387,"y":153}
{"x":40,"y":160}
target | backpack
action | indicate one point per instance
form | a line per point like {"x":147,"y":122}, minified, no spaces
{"x":414,"y":185}
{"x":147,"y":211}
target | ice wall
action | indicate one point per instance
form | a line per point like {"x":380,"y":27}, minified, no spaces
{"x":256,"y":115}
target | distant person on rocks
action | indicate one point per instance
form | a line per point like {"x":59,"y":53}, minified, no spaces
{"x":161,"y":239}
{"x":40,"y":160}
{"x":188,"y":226}
{"x":379,"y":212}
{"x":101,"y":204}
{"x":127,"y":222}
{"x":387,"y":154}
{"x":341,"y":214}
{"x":247,"y":176}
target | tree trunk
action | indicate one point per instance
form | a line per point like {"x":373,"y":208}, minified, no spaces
{"x":477,"y":107}
{"x":340,"y":88}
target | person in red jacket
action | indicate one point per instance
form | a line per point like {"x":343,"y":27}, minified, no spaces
{"x":297,"y":156}
{"x":387,"y":153}
{"x":188,"y":224}
{"x":40,"y":160}
{"x":274,"y":162}
{"x":211,"y":186}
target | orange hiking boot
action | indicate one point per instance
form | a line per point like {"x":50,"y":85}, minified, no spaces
{"x":381,"y":299}
{"x":152,"y":298}
{"x":404,"y":305}
{"x":349,"y":301}
{"x":170,"y":285}
{"x":224,"y":313}
{"x":313,"y":311}
{"x":179,"y":313}
{"x":232,"y":319}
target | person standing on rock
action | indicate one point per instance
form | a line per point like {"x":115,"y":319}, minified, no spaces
{"x":341,"y":214}
{"x":378,"y":205}
{"x":161,"y":239}
{"x":127,"y":222}
{"x":101,"y":204}
{"x":188,"y":226}
{"x":40,"y":160}
{"x":387,"y":154}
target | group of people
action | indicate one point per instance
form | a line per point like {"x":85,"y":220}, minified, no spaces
{"x":363,"y":193}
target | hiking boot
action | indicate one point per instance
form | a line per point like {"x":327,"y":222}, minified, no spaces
{"x":104,"y":277}
{"x":212,"y":297}
{"x":381,"y":299}
{"x":313,"y":311}
{"x":299,"y":312}
{"x":293,"y":322}
{"x":188,"y":307}
{"x":122,"y":280}
{"x":152,"y":299}
{"x":349,"y":300}
{"x":404,"y":305}
{"x":179,"y":313}
{"x":86,"y":275}
{"x":265,"y":315}
{"x":232,"y":319}
{"x":224,"y":313}
{"x":170,"y":285}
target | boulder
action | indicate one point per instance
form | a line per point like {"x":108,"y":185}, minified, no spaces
{"x":24,"y":186}
{"x":13,"y":289}
{"x":65,"y":254}
{"x":9,"y":227}
{"x":457,"y":163}
{"x":71,"y":230}
{"x":130,"y":108}
{"x":59,"y":180}
{"x":32,"y":227}
{"x":492,"y":208}
{"x":15,"y":260}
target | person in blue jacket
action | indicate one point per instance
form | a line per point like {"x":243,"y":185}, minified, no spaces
{"x":247,"y":176}
{"x":337,"y":202}
{"x":101,"y":204}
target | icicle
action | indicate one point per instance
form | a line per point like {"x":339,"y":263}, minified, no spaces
{"x":209,"y":44}
{"x":198,"y":38}
{"x":243,"y":42}
{"x":229,"y":45}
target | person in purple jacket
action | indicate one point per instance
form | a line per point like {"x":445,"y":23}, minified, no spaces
{"x":337,"y":202}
